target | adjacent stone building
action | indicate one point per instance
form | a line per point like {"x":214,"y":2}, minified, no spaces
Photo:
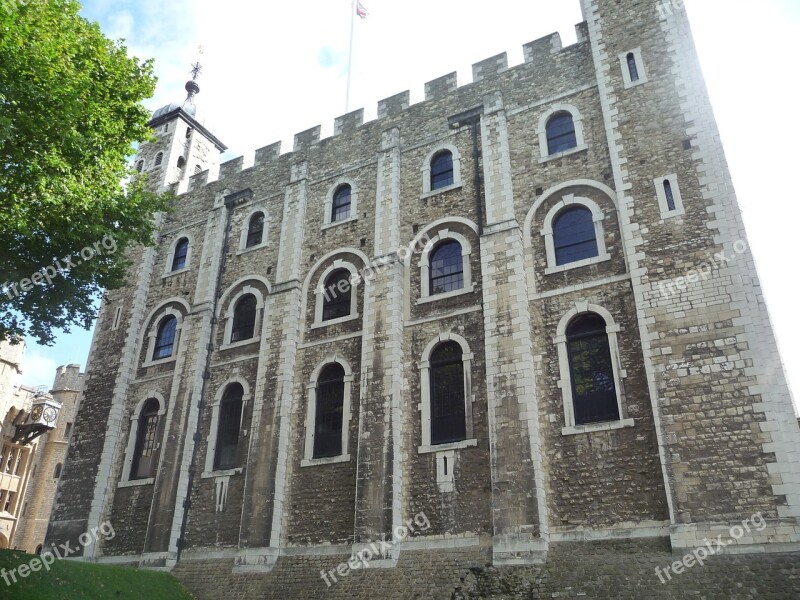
{"x":489,"y":328}
{"x":30,"y":469}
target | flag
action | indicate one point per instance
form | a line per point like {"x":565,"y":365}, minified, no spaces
{"x":361,"y":11}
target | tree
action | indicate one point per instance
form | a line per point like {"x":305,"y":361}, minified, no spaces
{"x":70,"y":111}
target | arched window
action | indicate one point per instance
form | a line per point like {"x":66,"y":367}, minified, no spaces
{"x":140,"y":166}
{"x":244,"y":319}
{"x":594,"y":393}
{"x":181,"y":162}
{"x":633,"y":69}
{"x":442,"y":170}
{"x":188,"y":132}
{"x":328,"y":417}
{"x":228,"y":427}
{"x":448,"y":409}
{"x":198,"y":169}
{"x":447,"y":268}
{"x":39,"y":549}
{"x":181,"y":252}
{"x":255,"y":230}
{"x":340,"y":208}
{"x":145,"y":453}
{"x":57,"y":472}
{"x":574,"y":235}
{"x":336,"y":297}
{"x":561,"y":134}
{"x":159,"y":158}
{"x":669,"y":195}
{"x":165,"y":339}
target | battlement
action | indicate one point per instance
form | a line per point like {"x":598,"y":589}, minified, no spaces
{"x":68,"y":378}
{"x":539,"y":54}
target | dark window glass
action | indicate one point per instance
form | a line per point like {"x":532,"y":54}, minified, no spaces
{"x":139,"y":166}
{"x":337,"y":295}
{"x":593,"y":389}
{"x":448,"y":412}
{"x":145,"y":454}
{"x":244,"y":319}
{"x":329,"y":412}
{"x":57,"y":472}
{"x":230,"y":418}
{"x":447,"y":268}
{"x":181,"y":162}
{"x":181,"y":252}
{"x":341,"y":204}
{"x":442,"y":170}
{"x":633,"y":69}
{"x":165,"y":340}
{"x":159,"y":158}
{"x":561,"y":133}
{"x":574,"y":235}
{"x":669,"y":195}
{"x":198,"y":169}
{"x":255,"y":230}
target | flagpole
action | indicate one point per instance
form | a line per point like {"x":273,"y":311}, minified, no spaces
{"x":350,"y":57}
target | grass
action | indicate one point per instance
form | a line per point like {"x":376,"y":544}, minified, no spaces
{"x":78,"y":580}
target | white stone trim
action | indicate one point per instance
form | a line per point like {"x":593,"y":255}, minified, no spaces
{"x":209,"y":471}
{"x":577,"y":119}
{"x":640,"y":67}
{"x":599,"y":233}
{"x":425,"y":169}
{"x":156,"y":316}
{"x":565,"y":382}
{"x":424,"y":405}
{"x":328,"y":204}
{"x":133,"y":431}
{"x":258,"y":208}
{"x":319,"y":293}
{"x":661,"y":194}
{"x":311,"y":413}
{"x":229,"y":314}
{"x":171,"y":254}
{"x":425,"y":266}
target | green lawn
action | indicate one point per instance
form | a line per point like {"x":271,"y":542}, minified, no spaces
{"x":68,"y":580}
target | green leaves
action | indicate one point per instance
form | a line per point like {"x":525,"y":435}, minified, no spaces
{"x":70,"y":111}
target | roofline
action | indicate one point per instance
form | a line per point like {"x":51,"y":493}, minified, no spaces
{"x":179,"y":112}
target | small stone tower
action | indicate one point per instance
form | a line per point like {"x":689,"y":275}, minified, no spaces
{"x":183,"y":146}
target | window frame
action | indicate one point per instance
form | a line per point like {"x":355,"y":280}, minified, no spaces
{"x":311,"y":413}
{"x":248,"y":243}
{"x":327,"y":207}
{"x":425,"y":404}
{"x":133,"y":433}
{"x":213,"y":433}
{"x":236,"y":317}
{"x":663,"y":201}
{"x":565,"y":382}
{"x":427,"y":166}
{"x":627,"y":80}
{"x":319,"y":292}
{"x":168,"y":272}
{"x":335,"y":207}
{"x":577,"y":120}
{"x":598,"y":216}
{"x":230,"y":301}
{"x":156,"y":316}
{"x":168,"y":319}
{"x":424,"y":265}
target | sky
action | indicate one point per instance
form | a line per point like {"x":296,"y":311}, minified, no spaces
{"x":272,"y":69}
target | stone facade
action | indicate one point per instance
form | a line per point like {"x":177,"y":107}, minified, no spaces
{"x":29,"y":472}
{"x":705,"y":434}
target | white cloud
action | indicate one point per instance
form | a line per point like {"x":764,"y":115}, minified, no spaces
{"x":37,"y":369}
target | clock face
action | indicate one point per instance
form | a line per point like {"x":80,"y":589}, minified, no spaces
{"x":50,"y":414}
{"x":36,"y":413}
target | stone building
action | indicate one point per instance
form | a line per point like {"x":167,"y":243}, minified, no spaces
{"x":30,"y":469}
{"x":522,"y":313}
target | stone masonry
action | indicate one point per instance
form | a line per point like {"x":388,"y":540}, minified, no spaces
{"x":706,"y":439}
